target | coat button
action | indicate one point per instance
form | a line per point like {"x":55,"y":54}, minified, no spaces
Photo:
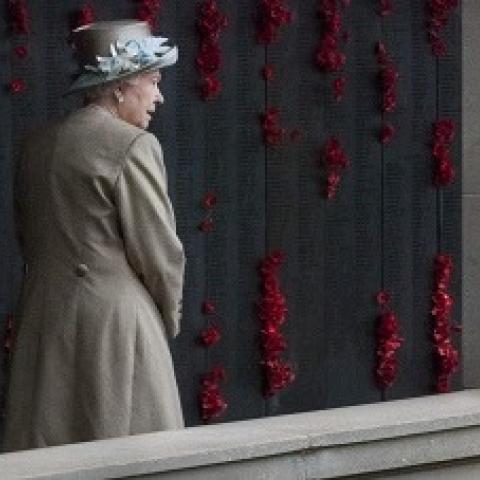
{"x":81,"y":270}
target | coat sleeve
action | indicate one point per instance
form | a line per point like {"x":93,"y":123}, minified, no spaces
{"x":147,"y":224}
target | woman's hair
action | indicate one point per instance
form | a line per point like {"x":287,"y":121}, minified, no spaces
{"x":102,"y":91}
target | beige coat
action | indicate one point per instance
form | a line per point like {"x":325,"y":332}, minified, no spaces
{"x":103,"y":286}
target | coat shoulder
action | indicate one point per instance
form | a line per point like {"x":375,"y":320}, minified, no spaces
{"x":99,"y":131}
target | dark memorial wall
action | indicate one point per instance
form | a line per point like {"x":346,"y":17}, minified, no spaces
{"x":381,"y":231}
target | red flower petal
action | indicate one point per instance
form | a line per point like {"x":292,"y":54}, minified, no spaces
{"x":85,"y":16}
{"x":18,"y":85}
{"x":207,"y":225}
{"x":383,"y":298}
{"x":21,"y":51}
{"x":212,"y":402}
{"x":210,"y":24}
{"x":20,"y":17}
{"x":272,"y":313}
{"x":447,"y":355}
{"x":382,"y":54}
{"x":209,"y":308}
{"x":210,"y":336}
{"x":386,"y":7}
{"x":272,"y":15}
{"x":273,"y":134}
{"x":209,"y":201}
{"x":268,"y":72}
{"x":387,"y":133}
{"x":339,"y":85}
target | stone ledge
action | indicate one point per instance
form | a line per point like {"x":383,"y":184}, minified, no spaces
{"x":322,"y":444}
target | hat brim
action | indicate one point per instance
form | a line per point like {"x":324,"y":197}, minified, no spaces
{"x":87,"y":80}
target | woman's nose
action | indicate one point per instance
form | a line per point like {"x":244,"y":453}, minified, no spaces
{"x":159,"y":98}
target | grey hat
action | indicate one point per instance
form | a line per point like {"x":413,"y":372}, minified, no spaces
{"x":113,"y":50}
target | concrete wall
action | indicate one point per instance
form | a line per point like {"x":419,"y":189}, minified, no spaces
{"x":404,"y":437}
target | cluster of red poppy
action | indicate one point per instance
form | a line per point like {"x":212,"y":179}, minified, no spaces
{"x":211,"y":335}
{"x":447,"y":355}
{"x":273,"y":134}
{"x":388,"y":79}
{"x":443,"y":169}
{"x":20,"y":25}
{"x":212,"y":403}
{"x":386,"y":7}
{"x":388,"y":82}
{"x":388,"y":342}
{"x":335,"y":161}
{"x":272,"y":15}
{"x":339,"y":85}
{"x":272,"y":311}
{"x":19,"y":16}
{"x":148,"y":11}
{"x":439,"y":12}
{"x":8,"y":337}
{"x":329,"y":56}
{"x":209,"y":202}
{"x":209,"y":58}
{"x":85,"y":15}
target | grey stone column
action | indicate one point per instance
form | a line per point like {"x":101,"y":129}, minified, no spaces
{"x":471,"y":192}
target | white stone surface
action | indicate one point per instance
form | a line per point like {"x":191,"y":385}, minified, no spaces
{"x":461,"y":471}
{"x":323,"y":444}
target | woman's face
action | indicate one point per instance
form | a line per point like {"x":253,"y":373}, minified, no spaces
{"x":140,"y":97}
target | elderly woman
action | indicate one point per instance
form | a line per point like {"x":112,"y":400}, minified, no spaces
{"x":105,"y":267}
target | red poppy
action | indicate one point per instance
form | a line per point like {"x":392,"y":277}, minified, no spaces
{"x":211,"y":87}
{"x":20,"y":16}
{"x":446,"y":354}
{"x":272,"y":15}
{"x":272,"y":311}
{"x":212,"y":402}
{"x":273,"y":134}
{"x":387,"y":133}
{"x":210,"y":336}
{"x":388,"y":342}
{"x":148,"y":11}
{"x":207,"y":225}
{"x":18,"y":85}
{"x":443,"y":169}
{"x":328,"y":55}
{"x":208,"y":307}
{"x":86,"y":15}
{"x":209,"y":201}
{"x":268,"y":72}
{"x":21,"y":51}
{"x":339,"y":85}
{"x":439,"y":12}
{"x":386,"y":7}
{"x":210,"y":24}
